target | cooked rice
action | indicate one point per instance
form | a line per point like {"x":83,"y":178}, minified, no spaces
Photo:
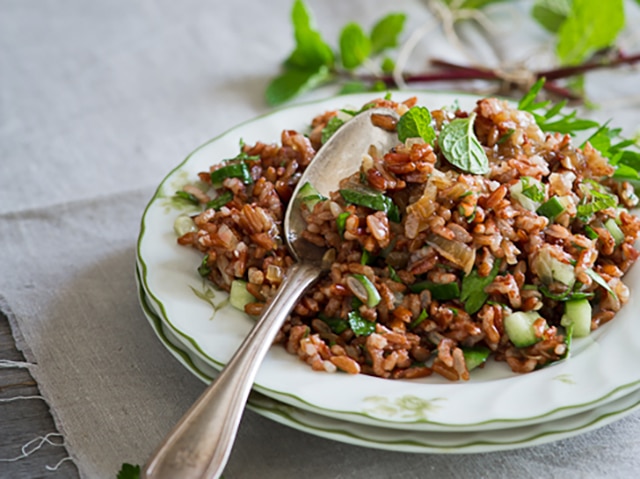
{"x":452,"y":222}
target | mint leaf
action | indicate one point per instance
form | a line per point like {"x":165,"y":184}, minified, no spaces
{"x":353,"y":87}
{"x":461,"y":147}
{"x":416,"y":123}
{"x":388,"y":65}
{"x":311,"y":50}
{"x":551,"y":14}
{"x":359,"y":325}
{"x":472,"y":294}
{"x":590,"y":26}
{"x":129,"y":471}
{"x":385,"y":33}
{"x":293,"y":82}
{"x":355,"y":46}
{"x":471,"y":4}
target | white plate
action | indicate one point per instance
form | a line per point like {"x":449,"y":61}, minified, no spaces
{"x":602,"y":368}
{"x":395,"y":439}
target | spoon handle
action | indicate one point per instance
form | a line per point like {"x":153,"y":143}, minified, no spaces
{"x":199,"y":445}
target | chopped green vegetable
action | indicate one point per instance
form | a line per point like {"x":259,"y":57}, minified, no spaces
{"x":373,"y":297}
{"x":416,"y":123}
{"x":341,"y":222}
{"x":232,"y":170}
{"x":183,"y":224}
{"x":440,"y":292}
{"x":529,"y":192}
{"x":309,"y":196}
{"x":393,"y":274}
{"x":476,"y":356}
{"x":332,"y":126}
{"x":519,"y":326}
{"x":599,"y":200}
{"x":600,"y":280}
{"x":188,"y":197}
{"x":552,"y":208}
{"x":239,"y":296}
{"x":337,"y":325}
{"x":615,"y":230}
{"x":461,"y":147}
{"x":590,"y":232}
{"x":473,"y":295}
{"x":204,"y":268}
{"x":374,"y":200}
{"x":421,"y":317}
{"x":220,"y":201}
{"x":359,"y":325}
{"x":577,"y":313}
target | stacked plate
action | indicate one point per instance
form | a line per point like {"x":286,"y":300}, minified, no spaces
{"x":495,"y":410}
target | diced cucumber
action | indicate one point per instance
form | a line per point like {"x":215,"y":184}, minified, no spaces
{"x":615,"y":230}
{"x":474,"y":357}
{"x":183,"y":224}
{"x":551,"y":208}
{"x":309,"y":195}
{"x":577,"y":313}
{"x":549,"y":269}
{"x":239,"y":296}
{"x":519,"y":328}
{"x":529,"y":192}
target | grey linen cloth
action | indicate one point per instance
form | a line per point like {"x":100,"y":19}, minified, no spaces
{"x":98,"y":101}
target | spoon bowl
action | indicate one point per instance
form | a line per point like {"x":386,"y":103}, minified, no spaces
{"x":199,"y":446}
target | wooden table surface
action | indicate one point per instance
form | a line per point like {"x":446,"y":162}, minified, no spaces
{"x":25,"y":420}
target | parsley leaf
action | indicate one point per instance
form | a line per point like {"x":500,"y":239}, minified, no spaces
{"x":473,"y":295}
{"x":129,"y":471}
{"x":416,"y":123}
{"x":590,"y":26}
{"x":385,"y":33}
{"x":461,"y":147}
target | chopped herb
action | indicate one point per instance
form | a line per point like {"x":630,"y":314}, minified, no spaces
{"x":366,"y":257}
{"x":232,"y":170}
{"x":393,"y":274}
{"x":532,"y":189}
{"x":461,"y":147}
{"x":374,"y":200}
{"x":220,"y":201}
{"x":359,"y":325}
{"x":506,"y":136}
{"x":204,"y":268}
{"x":423,"y":315}
{"x":332,"y":126}
{"x":440,"y":292}
{"x":188,"y":197}
{"x":600,"y":200}
{"x":473,"y":295}
{"x":590,"y":232}
{"x":341,"y":222}
{"x":373,"y":297}
{"x":600,"y":280}
{"x":337,"y":325}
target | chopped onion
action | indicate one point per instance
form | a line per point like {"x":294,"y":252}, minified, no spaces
{"x":458,"y":253}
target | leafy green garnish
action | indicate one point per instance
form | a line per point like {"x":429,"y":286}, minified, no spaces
{"x":295,"y":81}
{"x":551,"y":14}
{"x":359,"y":325}
{"x":355,"y":46}
{"x":129,"y":471}
{"x":337,"y":325}
{"x":461,"y":147}
{"x":311,"y":51}
{"x":590,"y":26}
{"x":532,"y":189}
{"x":385,"y":33}
{"x":204,"y":270}
{"x":416,"y":123}
{"x":187,"y":197}
{"x":232,"y":170}
{"x":341,"y":222}
{"x":332,"y":126}
{"x":596,"y":199}
{"x":393,"y":274}
{"x":473,"y":295}
{"x":220,"y":201}
{"x":600,"y":280}
{"x":374,"y":200}
{"x":423,"y":315}
{"x":439,"y":291}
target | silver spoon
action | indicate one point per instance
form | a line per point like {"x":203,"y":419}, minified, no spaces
{"x":200,"y":444}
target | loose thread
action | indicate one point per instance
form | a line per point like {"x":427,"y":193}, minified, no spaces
{"x":17,"y":398}
{"x":39,"y":442}
{"x":58,"y":464}
{"x":6,"y":363}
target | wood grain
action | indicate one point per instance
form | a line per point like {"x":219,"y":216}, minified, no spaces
{"x":24,"y":420}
